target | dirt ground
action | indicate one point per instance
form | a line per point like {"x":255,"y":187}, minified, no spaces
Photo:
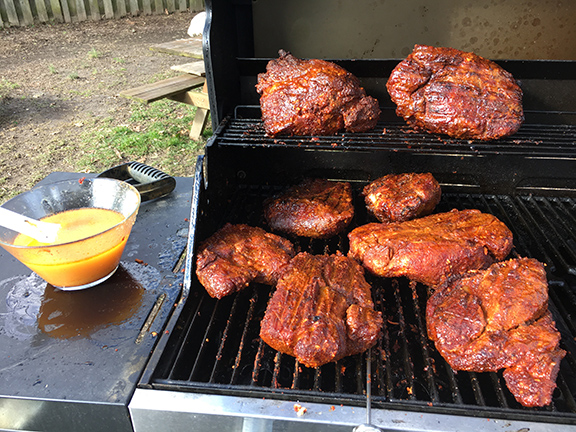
{"x":57,"y":80}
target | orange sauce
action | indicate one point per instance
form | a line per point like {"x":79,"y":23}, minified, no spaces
{"x":79,"y":262}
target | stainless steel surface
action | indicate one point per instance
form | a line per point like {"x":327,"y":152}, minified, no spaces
{"x":154,"y":410}
{"x":514,"y":29}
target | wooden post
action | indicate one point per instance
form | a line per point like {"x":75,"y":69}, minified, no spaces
{"x":11,"y":13}
{"x":80,"y":10}
{"x":26,"y":12}
{"x":41,"y":9}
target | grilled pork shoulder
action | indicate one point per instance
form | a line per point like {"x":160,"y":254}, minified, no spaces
{"x":432,"y":249}
{"x":448,"y":91}
{"x":401,"y":197}
{"x":315,"y":208}
{"x":498,"y":318}
{"x":313,"y":97}
{"x":236,"y":255}
{"x":321,"y":311}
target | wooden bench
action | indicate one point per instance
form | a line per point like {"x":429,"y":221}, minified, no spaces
{"x":189,"y":47}
{"x":182,"y":88}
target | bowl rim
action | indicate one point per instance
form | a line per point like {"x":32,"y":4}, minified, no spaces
{"x":81,"y":181}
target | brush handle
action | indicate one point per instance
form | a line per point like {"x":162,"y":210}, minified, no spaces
{"x":44,"y":232}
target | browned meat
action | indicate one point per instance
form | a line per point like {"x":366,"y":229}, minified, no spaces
{"x":313,"y":97}
{"x":315,"y":208}
{"x":444,"y":90}
{"x":401,"y":197}
{"x":431,"y":249}
{"x":236,"y":255}
{"x":321,"y":310}
{"x":498,"y":318}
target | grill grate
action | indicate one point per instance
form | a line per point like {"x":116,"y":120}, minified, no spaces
{"x":531,"y":139}
{"x":215,"y":347}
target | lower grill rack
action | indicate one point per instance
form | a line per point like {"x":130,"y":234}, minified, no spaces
{"x":215,"y":346}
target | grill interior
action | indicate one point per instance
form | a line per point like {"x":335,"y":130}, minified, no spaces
{"x":214,"y":347}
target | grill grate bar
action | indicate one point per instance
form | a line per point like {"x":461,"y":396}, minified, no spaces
{"x":455,"y":389}
{"x":247,"y":322}
{"x":195,"y":372}
{"x":338,"y":385}
{"x":223,"y":341}
{"x":275,"y":376}
{"x":431,"y":388}
{"x":317,"y":380}
{"x":256,"y":366}
{"x":296,"y":376}
{"x":383,"y":371}
{"x":497,"y":385}
{"x":403,"y":338}
{"x":181,"y":354}
{"x":476,"y":389}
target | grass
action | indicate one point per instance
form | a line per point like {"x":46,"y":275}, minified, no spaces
{"x":156,"y":133}
{"x":93,"y":54}
{"x":6,"y":86}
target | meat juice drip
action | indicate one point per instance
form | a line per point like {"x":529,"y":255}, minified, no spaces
{"x":66,"y":314}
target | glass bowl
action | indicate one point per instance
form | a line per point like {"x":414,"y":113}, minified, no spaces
{"x":96,"y":216}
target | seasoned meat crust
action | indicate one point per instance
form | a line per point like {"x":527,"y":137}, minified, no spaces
{"x":401,"y":197}
{"x":313,"y":97}
{"x":448,"y":91}
{"x":432,"y":249}
{"x":498,"y":318}
{"x":321,"y":311}
{"x":236,"y":255}
{"x":315,"y":208}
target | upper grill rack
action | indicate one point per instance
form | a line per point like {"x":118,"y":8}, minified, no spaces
{"x":532,"y":139}
{"x":215,"y":347}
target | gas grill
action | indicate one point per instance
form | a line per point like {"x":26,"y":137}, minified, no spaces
{"x":211,"y":371}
